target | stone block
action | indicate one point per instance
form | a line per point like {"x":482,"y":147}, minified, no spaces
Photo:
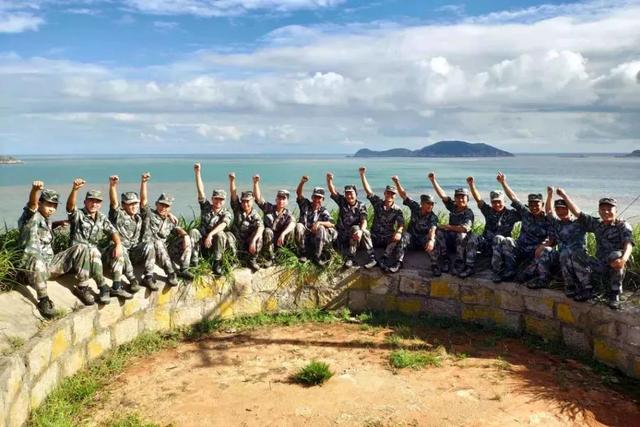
{"x":73,"y":362}
{"x":547,"y":329}
{"x":357,"y":300}
{"x":575,"y":339}
{"x":19,"y":412}
{"x":136,"y":305}
{"x":606,"y":352}
{"x":443,"y":308}
{"x":540,"y":306}
{"x":565,"y":314}
{"x":444,"y":289}
{"x":127,"y":330}
{"x":390,"y":303}
{"x":61,"y":339}
{"x":491,"y":315}
{"x":636,"y":367}
{"x":12,"y":372}
{"x":510,"y":300}
{"x":44,"y":385}
{"x":165,"y":295}
{"x":38,"y":355}
{"x":632,"y":335}
{"x":99,"y":344}
{"x":109,"y":314}
{"x":414,"y":284}
{"x":603,"y":328}
{"x":478,"y":295}
{"x":270,"y":305}
{"x":206,"y":290}
{"x":242,"y":279}
{"x":83,"y":324}
{"x":186,"y":315}
{"x":409,"y":305}
{"x":376,"y":302}
{"x":381,"y":286}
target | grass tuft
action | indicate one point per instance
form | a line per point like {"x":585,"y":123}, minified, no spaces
{"x":314,"y":373}
{"x":400,"y":359}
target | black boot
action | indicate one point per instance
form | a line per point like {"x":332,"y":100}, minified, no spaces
{"x":435,"y":270}
{"x":149,"y":282}
{"x":445,"y":264}
{"x":86,"y":296}
{"x":45,"y":307}
{"x":134,"y":285}
{"x":105,"y":294}
{"x":118,"y":291}
{"x":614,"y":301}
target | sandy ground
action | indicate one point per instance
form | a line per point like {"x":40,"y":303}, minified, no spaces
{"x":242,"y":379}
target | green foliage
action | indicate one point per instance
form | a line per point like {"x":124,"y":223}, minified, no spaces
{"x":399,"y":359}
{"x":130,"y":420}
{"x":314,"y":373}
{"x":61,"y":239}
{"x":10,"y":254}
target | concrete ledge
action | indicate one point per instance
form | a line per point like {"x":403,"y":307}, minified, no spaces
{"x":38,"y":354}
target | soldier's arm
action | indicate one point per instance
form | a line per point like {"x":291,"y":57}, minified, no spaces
{"x":78,"y":183}
{"x":547,"y":204}
{"x":144,"y":199}
{"x":365,"y":182}
{"x":34,"y":195}
{"x":288,"y":229}
{"x":439,"y":191}
{"x":300,"y":187}
{"x":181,"y":232}
{"x":257,"y":193}
{"x":199,"y":185}
{"x":570,"y":204}
{"x":502,"y":179}
{"x":401,"y":191}
{"x":113,"y":191}
{"x":233,"y":190}
{"x":330,"y":186}
{"x":474,"y":190}
{"x":258,"y":233}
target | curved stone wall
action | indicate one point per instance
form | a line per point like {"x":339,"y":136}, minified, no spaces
{"x":61,"y":348}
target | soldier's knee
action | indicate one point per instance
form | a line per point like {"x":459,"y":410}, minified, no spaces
{"x":497,"y":240}
{"x":195,"y":235}
{"x":508,"y":242}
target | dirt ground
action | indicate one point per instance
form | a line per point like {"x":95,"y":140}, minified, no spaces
{"x":242,"y":379}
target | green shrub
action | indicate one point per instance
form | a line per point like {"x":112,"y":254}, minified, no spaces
{"x":400,"y":359}
{"x":315,"y":373}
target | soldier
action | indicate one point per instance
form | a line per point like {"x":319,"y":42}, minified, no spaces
{"x":458,"y":232}
{"x":87,"y":228}
{"x":570,"y":237}
{"x":498,"y":225}
{"x":421,"y":234}
{"x":214,"y":235}
{"x":127,"y":220}
{"x":278,"y":221}
{"x":248,"y":226}
{"x":36,"y":236}
{"x":388,"y":225}
{"x":314,"y":229}
{"x":614,"y":243}
{"x":352,"y":224}
{"x":533,"y":234}
{"x":159,"y":224}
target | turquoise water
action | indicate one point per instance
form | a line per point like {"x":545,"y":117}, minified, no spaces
{"x":586,"y":178}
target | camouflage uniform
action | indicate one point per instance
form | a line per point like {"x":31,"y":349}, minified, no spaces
{"x":498,"y":226}
{"x":304,"y":238}
{"x":417,"y":236}
{"x":245,"y":226}
{"x":610,"y":242}
{"x":157,"y":230}
{"x":208,"y":221}
{"x":385,"y":223}
{"x":274,"y":223}
{"x":133,"y":249}
{"x":533,"y":232}
{"x":350,"y":219}
{"x":459,"y":241}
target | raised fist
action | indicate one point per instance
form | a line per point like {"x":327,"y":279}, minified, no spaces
{"x":329,"y":175}
{"x":146,"y":177}
{"x":561,"y":192}
{"x":501,"y":177}
{"x":78,"y":183}
{"x":196,"y":167}
{"x":362,"y":170}
{"x":549,"y":190}
{"x":113,"y":179}
{"x":256,"y":179}
{"x":232,"y":176}
{"x":431,"y":176}
{"x":38,"y":185}
{"x":304,"y":178}
{"x":470,"y":180}
{"x":395,"y":178}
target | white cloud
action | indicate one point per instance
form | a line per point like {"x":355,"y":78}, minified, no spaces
{"x":165,"y":25}
{"x":211,"y":8}
{"x":19,"y":22}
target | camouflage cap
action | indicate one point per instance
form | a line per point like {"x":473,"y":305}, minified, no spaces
{"x":608,"y":201}
{"x":283,"y":194}
{"x":219,"y":194}
{"x":129,"y":197}
{"x":560,"y":203}
{"x":246,"y":195}
{"x":390,"y":189}
{"x":534,"y":197}
{"x":350,"y":187}
{"x":426,"y":198}
{"x":318,"y":191}
{"x":165,"y":199}
{"x":496,"y":195}
{"x":94,"y":194}
{"x":50,"y":196}
{"x":461,"y":192}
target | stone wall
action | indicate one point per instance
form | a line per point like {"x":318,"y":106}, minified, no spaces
{"x":58,"y":349}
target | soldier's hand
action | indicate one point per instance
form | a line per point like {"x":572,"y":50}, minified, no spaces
{"x":280,"y":241}
{"x":329,"y":176}
{"x":196,"y":167}
{"x":550,"y":190}
{"x":113,"y":179}
{"x":470,"y":180}
{"x":356,"y":236}
{"x":430,"y":246}
{"x":146,"y":177}
{"x":397,"y":237}
{"x":256,"y":179}
{"x":117,"y":250}
{"x":304,"y":178}
{"x":78,"y":183}
{"x":252,"y":248}
{"x":232,"y":176}
{"x":617,"y":264}
{"x":173,"y":218}
{"x":560,"y":191}
{"x":37,"y":185}
{"x":501,"y":177}
{"x":431,"y":176}
{"x":362,"y":170}
{"x":395,"y":178}
{"x":208,"y":241}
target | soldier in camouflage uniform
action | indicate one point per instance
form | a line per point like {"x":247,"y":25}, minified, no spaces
{"x":214,"y":235}
{"x":458,"y":232}
{"x":498,"y":225}
{"x":421,"y":234}
{"x":248,"y":227}
{"x":533,"y":237}
{"x":388,"y":225}
{"x":125,"y":217}
{"x":352,"y":224}
{"x":88,"y":225}
{"x":278,"y":221}
{"x":570,"y":253}
{"x":315,"y":230}
{"x":614,"y":243}
{"x":36,"y":236}
{"x":159,"y":225}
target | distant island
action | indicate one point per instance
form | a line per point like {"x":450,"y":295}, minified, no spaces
{"x":634,"y":153}
{"x":440,"y":149}
{"x":8,"y":160}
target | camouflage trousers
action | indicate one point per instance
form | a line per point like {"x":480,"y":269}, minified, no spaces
{"x":486,"y":246}
{"x":610,"y":277}
{"x":142,"y":253}
{"x":219,"y":243}
{"x":511,"y":253}
{"x":242,"y":245}
{"x":270,"y":239}
{"x":348,"y":246}
{"x":418,"y":243}
{"x":459,"y":242}
{"x":574,"y":265}
{"x":305,"y":240}
{"x":393,"y":251}
{"x":177,"y":251}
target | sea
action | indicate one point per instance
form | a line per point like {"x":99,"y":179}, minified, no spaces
{"x":585,"y":177}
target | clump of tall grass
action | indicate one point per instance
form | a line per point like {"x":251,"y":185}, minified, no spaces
{"x":10,"y":254}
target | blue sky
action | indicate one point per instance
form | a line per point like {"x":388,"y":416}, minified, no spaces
{"x":163,"y":76}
